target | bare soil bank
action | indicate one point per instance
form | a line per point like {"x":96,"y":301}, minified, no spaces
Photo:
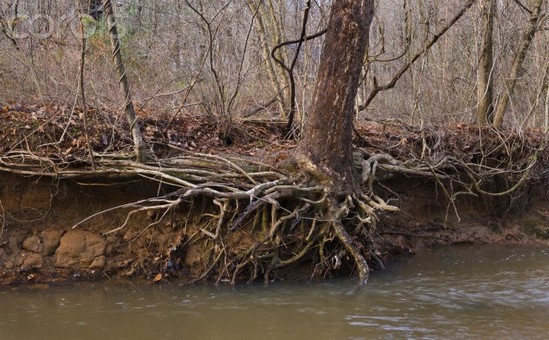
{"x":62,"y":220}
{"x":39,"y":244}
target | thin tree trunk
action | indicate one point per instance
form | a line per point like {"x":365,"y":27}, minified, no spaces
{"x":326,"y":148}
{"x":516,"y":68}
{"x":139,"y":147}
{"x":485,"y":93}
{"x":546,"y":115}
{"x":275,"y":30}
{"x":84,"y":115}
{"x":266,"y":51}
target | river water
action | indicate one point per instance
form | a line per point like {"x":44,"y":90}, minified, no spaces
{"x":450,"y":293}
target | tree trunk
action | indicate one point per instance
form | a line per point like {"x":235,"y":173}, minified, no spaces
{"x":275,"y":29}
{"x":516,"y":68}
{"x":273,"y":73}
{"x":124,"y":84}
{"x":326,"y":148}
{"x":485,"y":93}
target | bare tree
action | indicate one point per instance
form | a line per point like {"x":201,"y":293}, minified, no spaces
{"x":485,"y":90}
{"x":264,"y":23}
{"x":327,"y":140}
{"x":546,"y":111}
{"x":168,"y":47}
{"x":81,"y":85}
{"x":139,"y":147}
{"x":518,"y":60}
{"x":428,"y":45}
{"x":325,"y":151}
{"x":6,"y":27}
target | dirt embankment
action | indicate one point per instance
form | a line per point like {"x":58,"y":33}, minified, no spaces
{"x":39,"y":243}
{"x":61,"y":221}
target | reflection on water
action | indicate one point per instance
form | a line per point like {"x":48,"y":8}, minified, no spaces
{"x":458,"y":293}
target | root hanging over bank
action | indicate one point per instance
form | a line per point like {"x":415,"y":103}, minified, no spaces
{"x":286,"y":218}
{"x":253,"y":214}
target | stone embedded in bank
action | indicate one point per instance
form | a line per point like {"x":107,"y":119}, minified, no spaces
{"x":33,"y":244}
{"x":31,"y":261}
{"x":81,"y":249}
{"x":51,"y":239}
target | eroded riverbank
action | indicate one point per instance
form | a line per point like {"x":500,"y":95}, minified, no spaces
{"x":44,"y":240}
{"x":206,"y":209}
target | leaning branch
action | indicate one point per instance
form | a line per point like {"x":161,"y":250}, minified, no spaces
{"x":409,"y":64}
{"x":139,"y":147}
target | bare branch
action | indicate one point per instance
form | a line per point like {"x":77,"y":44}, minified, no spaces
{"x":402,"y":71}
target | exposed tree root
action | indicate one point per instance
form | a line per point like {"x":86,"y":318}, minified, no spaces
{"x":348,"y":241}
{"x":259,"y":219}
{"x":294,"y":221}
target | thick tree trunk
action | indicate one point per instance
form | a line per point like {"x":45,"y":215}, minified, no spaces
{"x":485,"y":96}
{"x":326,"y":148}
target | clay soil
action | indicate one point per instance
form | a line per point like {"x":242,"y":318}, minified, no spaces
{"x":63,"y":228}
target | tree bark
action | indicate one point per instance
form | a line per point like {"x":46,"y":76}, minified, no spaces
{"x":485,"y":93}
{"x":326,"y":148}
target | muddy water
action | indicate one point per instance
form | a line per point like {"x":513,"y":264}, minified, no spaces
{"x":461,"y":292}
